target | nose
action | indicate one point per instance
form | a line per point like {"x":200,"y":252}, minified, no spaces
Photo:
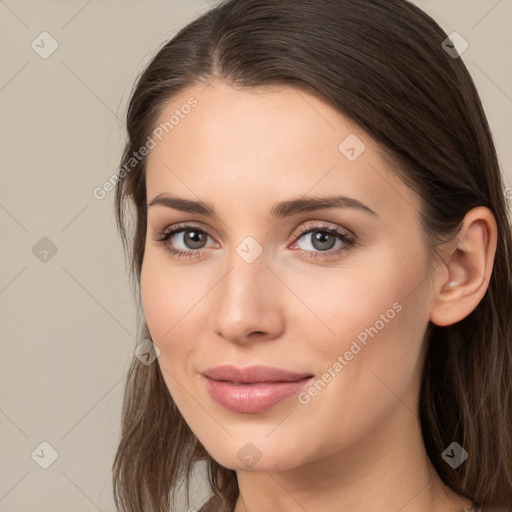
{"x":246,"y":303}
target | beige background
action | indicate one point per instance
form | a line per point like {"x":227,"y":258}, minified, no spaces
{"x":68,"y":324}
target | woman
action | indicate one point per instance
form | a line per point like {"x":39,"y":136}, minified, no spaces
{"x":322,"y":256}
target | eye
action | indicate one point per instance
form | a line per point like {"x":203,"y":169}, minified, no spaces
{"x":190,"y":237}
{"x":321,"y":240}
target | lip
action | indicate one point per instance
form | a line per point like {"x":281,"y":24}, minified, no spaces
{"x":252,"y":389}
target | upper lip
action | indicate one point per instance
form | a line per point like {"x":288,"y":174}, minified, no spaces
{"x":253,"y":374}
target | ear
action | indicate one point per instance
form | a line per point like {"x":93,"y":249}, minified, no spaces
{"x":462,"y":282}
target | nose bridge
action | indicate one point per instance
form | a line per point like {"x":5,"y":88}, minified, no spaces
{"x":248,"y":270}
{"x":244,"y":285}
{"x":243,"y":302}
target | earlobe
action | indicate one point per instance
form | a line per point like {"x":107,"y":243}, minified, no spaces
{"x":469,"y":261}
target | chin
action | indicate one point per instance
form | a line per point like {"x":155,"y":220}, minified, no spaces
{"x":254,"y":456}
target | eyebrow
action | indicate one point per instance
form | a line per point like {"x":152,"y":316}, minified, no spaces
{"x":278,"y":211}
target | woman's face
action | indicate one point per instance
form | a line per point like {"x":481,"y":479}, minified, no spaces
{"x":254,"y":289}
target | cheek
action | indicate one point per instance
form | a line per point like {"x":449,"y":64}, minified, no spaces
{"x":378,"y":317}
{"x":380,"y":372}
{"x":374,"y":292}
{"x":163,"y":303}
{"x":168,"y":295}
{"x":174,"y":309}
{"x":374,"y":312}
{"x":157,"y":299}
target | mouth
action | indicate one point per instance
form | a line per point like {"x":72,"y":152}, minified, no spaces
{"x":253,"y":397}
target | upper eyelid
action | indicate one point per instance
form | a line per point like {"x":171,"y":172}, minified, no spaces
{"x":181,"y":226}
{"x":322,"y":225}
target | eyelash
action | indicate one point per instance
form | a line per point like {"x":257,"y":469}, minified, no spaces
{"x":349,"y":242}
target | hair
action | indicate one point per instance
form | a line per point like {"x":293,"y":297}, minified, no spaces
{"x":380,"y":63}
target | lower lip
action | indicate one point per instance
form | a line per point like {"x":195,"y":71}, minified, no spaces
{"x":252,"y":397}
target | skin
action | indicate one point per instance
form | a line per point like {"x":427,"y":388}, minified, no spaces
{"x":357,"y":445}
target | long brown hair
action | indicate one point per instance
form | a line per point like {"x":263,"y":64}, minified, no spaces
{"x":381,"y":63}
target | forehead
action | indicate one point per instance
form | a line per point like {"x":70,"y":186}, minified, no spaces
{"x":263,"y":120}
{"x":272,"y":142}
